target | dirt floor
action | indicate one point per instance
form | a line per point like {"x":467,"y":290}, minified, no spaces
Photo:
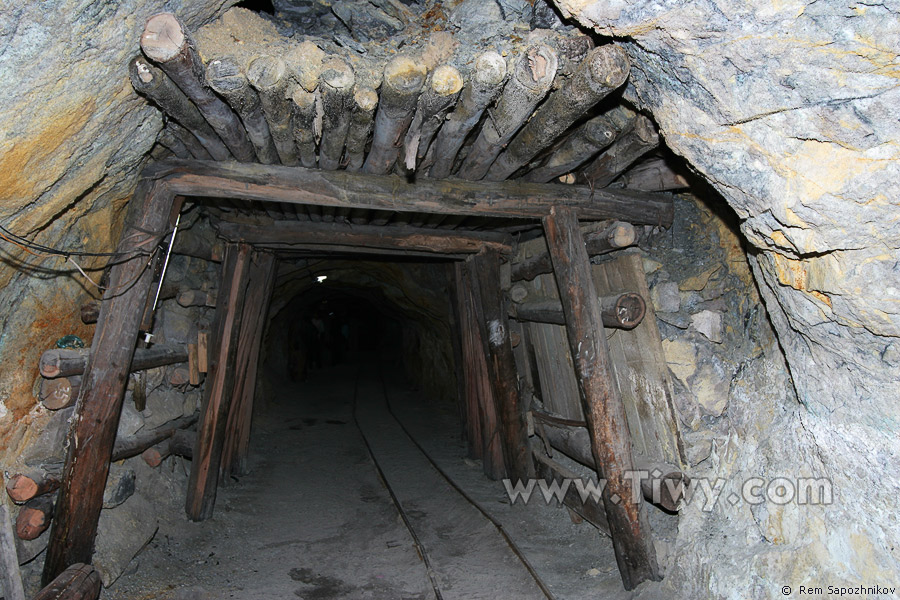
{"x":315,"y":520}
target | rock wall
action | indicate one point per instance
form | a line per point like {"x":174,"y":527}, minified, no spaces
{"x":75,"y":135}
{"x":788,"y":110}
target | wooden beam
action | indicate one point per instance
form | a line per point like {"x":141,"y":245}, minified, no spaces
{"x":78,"y":582}
{"x":330,"y":251}
{"x":343,"y":189}
{"x":103,"y":384}
{"x":549,"y":470}
{"x":401,"y":238}
{"x":135,"y":444}
{"x":253,"y":324}
{"x":532,"y":258}
{"x":217,"y":394}
{"x":621,"y":311}
{"x":664,"y":485}
{"x":502,"y":365}
{"x":61,"y":362}
{"x":603,"y":408}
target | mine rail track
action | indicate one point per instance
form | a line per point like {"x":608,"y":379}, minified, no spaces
{"x":422,"y":550}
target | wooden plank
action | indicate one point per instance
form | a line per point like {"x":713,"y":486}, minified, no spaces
{"x":640,"y":368}
{"x":512,"y":199}
{"x":193,"y":364}
{"x":103,"y":384}
{"x":285,"y":234}
{"x":501,"y":364}
{"x":559,"y":388}
{"x":203,"y":351}
{"x":217,"y":395}
{"x":253,"y":323}
{"x":603,"y":408}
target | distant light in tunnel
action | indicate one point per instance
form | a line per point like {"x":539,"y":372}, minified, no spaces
{"x":321,"y":278}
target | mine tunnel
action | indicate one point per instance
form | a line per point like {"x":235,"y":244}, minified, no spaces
{"x":449,"y":299}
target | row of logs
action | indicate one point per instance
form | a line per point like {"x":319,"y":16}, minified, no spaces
{"x":278,"y":111}
{"x":36,"y":490}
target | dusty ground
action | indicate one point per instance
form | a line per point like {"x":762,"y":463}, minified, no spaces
{"x":314,"y":521}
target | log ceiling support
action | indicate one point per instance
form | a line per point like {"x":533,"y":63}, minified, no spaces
{"x":219,"y":389}
{"x":603,"y":408}
{"x":343,"y":189}
{"x":99,"y":404}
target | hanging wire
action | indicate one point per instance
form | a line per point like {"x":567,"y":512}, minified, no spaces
{"x":36,"y":249}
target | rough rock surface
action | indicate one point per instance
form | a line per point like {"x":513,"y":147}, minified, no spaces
{"x":121,"y":534}
{"x":789,"y":110}
{"x":74,"y":137}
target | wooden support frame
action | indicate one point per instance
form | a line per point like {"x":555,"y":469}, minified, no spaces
{"x":253,"y":323}
{"x":102,"y":390}
{"x":344,"y":189}
{"x":218,"y":393}
{"x":603,"y":408}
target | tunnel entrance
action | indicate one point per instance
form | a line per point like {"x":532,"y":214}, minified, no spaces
{"x":518,"y":319}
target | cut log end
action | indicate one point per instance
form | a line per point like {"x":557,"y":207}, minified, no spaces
{"x":490,"y":69}
{"x":629,"y":310}
{"x":141,"y":70}
{"x":645,"y":131}
{"x":622,"y":235}
{"x":366,"y":99}
{"x":404,"y":75}
{"x":446,"y":80}
{"x":338,"y":75}
{"x":266,"y":72}
{"x":224,"y":75}
{"x":303,"y":99}
{"x":163,"y":37}
{"x":608,"y":66}
{"x":538,"y":69}
{"x":21,"y":488}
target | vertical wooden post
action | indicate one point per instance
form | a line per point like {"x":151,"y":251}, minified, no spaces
{"x":481,"y":396}
{"x":93,"y":432}
{"x":502,"y":364}
{"x":253,"y":324}
{"x":456,"y":341}
{"x":475,"y":439}
{"x":603,"y":408}
{"x":217,"y":394}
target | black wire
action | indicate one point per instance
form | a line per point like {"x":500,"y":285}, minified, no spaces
{"x":19,"y":240}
